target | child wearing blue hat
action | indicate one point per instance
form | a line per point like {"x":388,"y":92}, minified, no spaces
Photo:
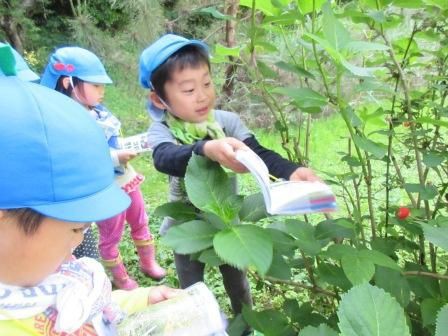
{"x":79,"y":74}
{"x":58,"y":180}
{"x":181,"y":105}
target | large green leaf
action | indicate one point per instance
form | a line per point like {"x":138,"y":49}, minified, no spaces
{"x":210,"y":257}
{"x":306,"y":6}
{"x":215,"y":13}
{"x":442,"y":322}
{"x":433,"y":159}
{"x":356,"y":46}
{"x":380,"y":259}
{"x":306,"y":240}
{"x":282,"y":241}
{"x":209,"y":189}
{"x":321,"y":330}
{"x":279,"y":268}
{"x":262,"y":5}
{"x":376,"y":149}
{"x":253,"y":208}
{"x":331,"y":229}
{"x":290,"y":67}
{"x":427,"y":192}
{"x":366,"y":310}
{"x":334,"y":31}
{"x":190,"y":237}
{"x":333,"y":275}
{"x":429,"y":308}
{"x":245,"y":245}
{"x":306,"y":99}
{"x":436,"y":235}
{"x":270,"y":322}
{"x":358,"y":268}
{"x":179,"y":211}
{"x":394,"y":283}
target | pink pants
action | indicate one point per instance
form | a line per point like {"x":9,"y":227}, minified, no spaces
{"x":111,"y":230}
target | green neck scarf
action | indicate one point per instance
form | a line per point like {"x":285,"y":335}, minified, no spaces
{"x":188,"y":132}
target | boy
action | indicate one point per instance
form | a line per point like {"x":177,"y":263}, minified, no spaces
{"x":55,"y":180}
{"x":181,"y":102}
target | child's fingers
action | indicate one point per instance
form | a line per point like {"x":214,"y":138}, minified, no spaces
{"x":161,"y":293}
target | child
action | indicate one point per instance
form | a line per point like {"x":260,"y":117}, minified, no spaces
{"x":56,"y":180}
{"x":181,"y":101}
{"x":22,"y":69}
{"x":79,"y":74}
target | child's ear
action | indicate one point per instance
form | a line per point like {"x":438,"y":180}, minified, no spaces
{"x":66,"y":82}
{"x":155,"y":99}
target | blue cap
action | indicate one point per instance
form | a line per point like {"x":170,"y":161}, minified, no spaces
{"x":156,"y":54}
{"x":22,"y":69}
{"x":74,"y":62}
{"x":57,"y":161}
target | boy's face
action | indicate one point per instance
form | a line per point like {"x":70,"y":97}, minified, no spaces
{"x":29,"y":259}
{"x":190,"y":94}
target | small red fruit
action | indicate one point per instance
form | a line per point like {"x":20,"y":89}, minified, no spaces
{"x":406,"y":124}
{"x":403,"y":213}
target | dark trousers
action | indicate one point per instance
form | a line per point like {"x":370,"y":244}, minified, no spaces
{"x":88,"y":247}
{"x":235,"y":281}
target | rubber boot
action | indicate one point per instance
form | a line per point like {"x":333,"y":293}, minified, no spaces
{"x":120,"y":277}
{"x":148,"y":264}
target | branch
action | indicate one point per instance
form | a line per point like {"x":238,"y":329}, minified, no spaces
{"x":426,"y":274}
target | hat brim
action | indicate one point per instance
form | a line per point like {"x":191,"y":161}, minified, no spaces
{"x":101,"y":79}
{"x":101,"y":205}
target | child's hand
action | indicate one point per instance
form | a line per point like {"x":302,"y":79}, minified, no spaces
{"x":162,"y":293}
{"x":223,"y":152}
{"x":304,"y":174}
{"x":125,"y":155}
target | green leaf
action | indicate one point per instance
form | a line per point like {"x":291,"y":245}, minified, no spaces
{"x":209,"y":189}
{"x":338,"y":251}
{"x":366,"y":310}
{"x":221,"y":50}
{"x":180,"y":211}
{"x":306,"y":240}
{"x":329,"y":229}
{"x":433,"y":159}
{"x":279,"y":268}
{"x":377,"y":150}
{"x":394,"y":283}
{"x":190,"y":237}
{"x":380,"y":259}
{"x":287,"y":18}
{"x":417,"y":4}
{"x":334,"y":32}
{"x":355,"y":46}
{"x":305,"y":98}
{"x":359,"y":71}
{"x":442,"y":322}
{"x":427,"y":192}
{"x":333,"y":275}
{"x":295,"y":69}
{"x":282,"y":241}
{"x":306,"y":6}
{"x":262,"y":5}
{"x":210,"y":257}
{"x":436,"y":235}
{"x":321,"y":330}
{"x":253,"y":208}
{"x":432,"y":121}
{"x":270,"y":322}
{"x":429,"y":308}
{"x":358,"y":268}
{"x":243,"y":246}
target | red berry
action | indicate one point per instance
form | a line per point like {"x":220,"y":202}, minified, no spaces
{"x":403,"y":213}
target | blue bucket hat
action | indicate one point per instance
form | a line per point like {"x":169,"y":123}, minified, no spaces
{"x":74,"y":62}
{"x":21,"y":67}
{"x":57,"y":160}
{"x":156,"y":54}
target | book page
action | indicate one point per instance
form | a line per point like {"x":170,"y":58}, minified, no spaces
{"x":259,"y":170}
{"x":138,"y":143}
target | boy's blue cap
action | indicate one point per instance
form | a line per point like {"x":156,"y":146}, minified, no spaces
{"x":74,"y":62}
{"x":156,"y":54}
{"x":56,"y":160}
{"x":22,"y":69}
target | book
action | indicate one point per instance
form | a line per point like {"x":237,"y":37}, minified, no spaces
{"x":194,"y":312}
{"x":287,"y":197}
{"x":138,"y":143}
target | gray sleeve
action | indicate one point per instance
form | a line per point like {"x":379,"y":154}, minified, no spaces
{"x":159,"y":133}
{"x":232,"y":124}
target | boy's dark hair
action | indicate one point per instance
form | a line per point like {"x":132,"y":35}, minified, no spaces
{"x":27,"y":219}
{"x":67,"y":91}
{"x":188,"y":56}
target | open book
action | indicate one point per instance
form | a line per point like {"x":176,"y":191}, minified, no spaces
{"x":138,"y":143}
{"x":194,"y":312}
{"x":288,"y":197}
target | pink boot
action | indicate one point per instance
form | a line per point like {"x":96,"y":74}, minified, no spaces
{"x":148,"y":264}
{"x":120,"y":277}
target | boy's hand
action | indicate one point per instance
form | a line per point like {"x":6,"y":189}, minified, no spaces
{"x":304,"y":174}
{"x":125,"y":155}
{"x":162,"y":293}
{"x":223,"y":152}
